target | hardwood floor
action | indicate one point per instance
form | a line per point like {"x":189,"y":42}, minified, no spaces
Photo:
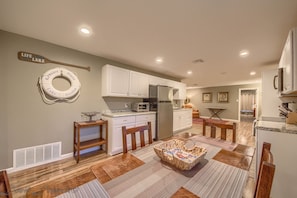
{"x":68,"y":169}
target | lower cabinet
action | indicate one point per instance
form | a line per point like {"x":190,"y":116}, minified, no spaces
{"x":115,"y":140}
{"x":283,"y":148}
{"x":182,"y":119}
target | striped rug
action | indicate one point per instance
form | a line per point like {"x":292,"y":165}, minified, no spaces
{"x":218,"y":180}
{"x":230,"y":146}
{"x":91,"y":189}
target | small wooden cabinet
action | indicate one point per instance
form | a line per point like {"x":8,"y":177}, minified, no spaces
{"x":81,"y":145}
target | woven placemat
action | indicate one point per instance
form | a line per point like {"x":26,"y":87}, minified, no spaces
{"x":112,"y":168}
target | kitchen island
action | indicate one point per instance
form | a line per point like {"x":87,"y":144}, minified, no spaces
{"x":283,"y":139}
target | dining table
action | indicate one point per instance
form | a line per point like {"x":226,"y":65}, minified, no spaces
{"x":223,"y":172}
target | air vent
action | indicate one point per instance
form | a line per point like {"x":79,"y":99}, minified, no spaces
{"x":32,"y":156}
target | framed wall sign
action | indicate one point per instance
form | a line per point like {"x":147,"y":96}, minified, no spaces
{"x":223,"y":97}
{"x":206,"y":97}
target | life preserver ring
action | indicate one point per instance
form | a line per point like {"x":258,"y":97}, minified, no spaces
{"x":46,"y":84}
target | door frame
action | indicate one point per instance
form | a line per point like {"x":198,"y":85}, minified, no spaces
{"x":257,"y":101}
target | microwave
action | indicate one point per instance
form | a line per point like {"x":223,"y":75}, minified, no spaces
{"x":141,"y":106}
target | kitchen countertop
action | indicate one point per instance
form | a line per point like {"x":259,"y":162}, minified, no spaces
{"x":182,"y":109}
{"x":126,"y":113}
{"x":281,"y":127}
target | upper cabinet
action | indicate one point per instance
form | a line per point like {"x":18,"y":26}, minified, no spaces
{"x":154,"y":80}
{"x":139,"y":84}
{"x":120,"y":82}
{"x":288,"y":65}
{"x":179,"y":91}
{"x":115,"y":81}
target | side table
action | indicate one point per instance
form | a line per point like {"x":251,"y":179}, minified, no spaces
{"x":78,"y":145}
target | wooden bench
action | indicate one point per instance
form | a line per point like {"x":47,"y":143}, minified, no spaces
{"x":223,"y":126}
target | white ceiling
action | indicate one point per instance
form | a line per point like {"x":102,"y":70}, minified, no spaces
{"x":135,"y":32}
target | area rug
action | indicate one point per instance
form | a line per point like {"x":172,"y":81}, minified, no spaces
{"x":112,"y":168}
{"x":230,"y":146}
{"x":59,"y":186}
{"x":90,"y":189}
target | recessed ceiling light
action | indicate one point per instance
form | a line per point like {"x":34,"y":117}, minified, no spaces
{"x":244,"y":53}
{"x":252,"y":73}
{"x":85,"y":30}
{"x":189,"y":72}
{"x":159,"y":60}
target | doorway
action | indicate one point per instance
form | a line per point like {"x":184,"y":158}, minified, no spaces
{"x":248,"y":104}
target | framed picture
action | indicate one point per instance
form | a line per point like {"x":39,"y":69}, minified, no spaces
{"x":206,"y":97}
{"x":223,"y":97}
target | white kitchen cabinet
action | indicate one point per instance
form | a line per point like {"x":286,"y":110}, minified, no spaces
{"x":115,"y":140}
{"x":283,"y":148}
{"x":182,"y":119}
{"x":154,"y":80}
{"x":270,"y":99}
{"x":139,"y":85}
{"x":179,"y":91}
{"x":143,"y":120}
{"x":115,"y":81}
{"x":120,"y":82}
{"x":288,"y":64}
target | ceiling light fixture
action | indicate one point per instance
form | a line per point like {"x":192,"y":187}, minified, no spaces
{"x":252,"y":73}
{"x":159,"y":60}
{"x":85,"y":31}
{"x":189,"y":72}
{"x":244,"y":53}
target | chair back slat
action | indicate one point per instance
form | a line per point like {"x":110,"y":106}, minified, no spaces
{"x":142,"y":141}
{"x":5,"y":190}
{"x":133,"y":140}
{"x":132,"y":131}
{"x":266,"y":173}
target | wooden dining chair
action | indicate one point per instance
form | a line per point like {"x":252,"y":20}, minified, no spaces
{"x":266,"y":173}
{"x":4,"y":185}
{"x":133,"y":131}
{"x":223,"y":126}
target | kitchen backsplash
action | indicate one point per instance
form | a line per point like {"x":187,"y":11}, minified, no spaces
{"x":120,"y":103}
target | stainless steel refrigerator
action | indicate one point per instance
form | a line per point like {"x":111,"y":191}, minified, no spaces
{"x":160,"y":98}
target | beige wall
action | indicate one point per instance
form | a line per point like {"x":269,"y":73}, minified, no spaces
{"x":25,"y":120}
{"x":3,"y":134}
{"x":231,"y":107}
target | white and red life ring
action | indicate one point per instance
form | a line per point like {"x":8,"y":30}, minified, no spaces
{"x":46,"y":85}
